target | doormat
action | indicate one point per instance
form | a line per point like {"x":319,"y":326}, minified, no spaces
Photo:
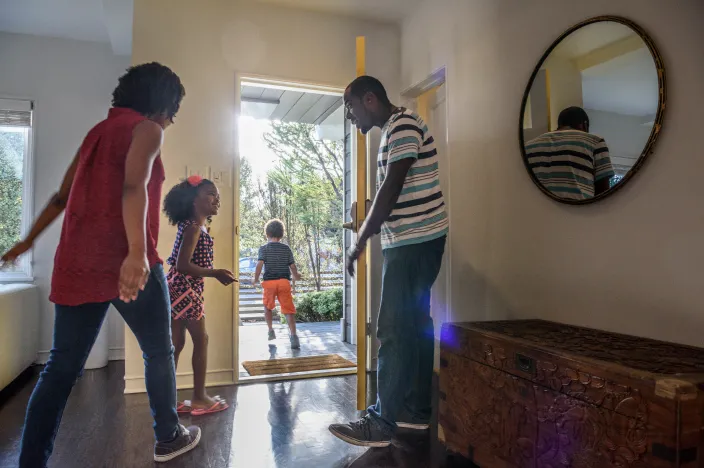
{"x":299,"y":364}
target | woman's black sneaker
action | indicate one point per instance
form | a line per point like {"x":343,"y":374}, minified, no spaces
{"x":185,"y":441}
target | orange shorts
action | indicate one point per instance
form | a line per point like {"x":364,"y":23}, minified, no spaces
{"x":279,"y":289}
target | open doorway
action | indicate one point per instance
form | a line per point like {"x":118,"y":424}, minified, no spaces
{"x":293,"y":160}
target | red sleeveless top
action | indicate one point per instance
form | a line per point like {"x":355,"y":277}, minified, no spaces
{"x":93,"y":241}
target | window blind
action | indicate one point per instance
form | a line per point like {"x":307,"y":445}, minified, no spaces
{"x":15,"y":113}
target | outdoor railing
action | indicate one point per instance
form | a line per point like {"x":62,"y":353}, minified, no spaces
{"x":250,"y":300}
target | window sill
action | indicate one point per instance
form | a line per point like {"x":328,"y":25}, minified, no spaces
{"x":6,"y":289}
{"x":7,"y":279}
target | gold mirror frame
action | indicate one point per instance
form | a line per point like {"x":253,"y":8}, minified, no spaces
{"x":657,"y":126}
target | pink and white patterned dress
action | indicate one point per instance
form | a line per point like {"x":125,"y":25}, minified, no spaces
{"x":187,"y":302}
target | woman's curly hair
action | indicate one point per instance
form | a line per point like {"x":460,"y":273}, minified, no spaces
{"x":151,"y":89}
{"x":178,"y":203}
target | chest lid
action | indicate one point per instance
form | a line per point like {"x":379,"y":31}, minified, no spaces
{"x":675,"y":371}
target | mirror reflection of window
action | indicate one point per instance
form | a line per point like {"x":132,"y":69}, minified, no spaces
{"x":604,"y":76}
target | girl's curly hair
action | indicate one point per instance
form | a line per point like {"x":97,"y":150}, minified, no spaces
{"x":178,"y":203}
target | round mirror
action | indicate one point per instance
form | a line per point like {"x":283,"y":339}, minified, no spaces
{"x":592,"y":110}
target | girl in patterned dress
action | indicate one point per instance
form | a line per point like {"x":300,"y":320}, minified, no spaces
{"x":189,"y":205}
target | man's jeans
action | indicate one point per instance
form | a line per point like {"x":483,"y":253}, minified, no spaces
{"x":75,"y":331}
{"x":405,"y":330}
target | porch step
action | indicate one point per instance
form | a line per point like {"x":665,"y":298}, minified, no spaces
{"x":256,"y":316}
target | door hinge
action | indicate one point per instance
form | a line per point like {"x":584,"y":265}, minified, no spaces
{"x":368,"y":329}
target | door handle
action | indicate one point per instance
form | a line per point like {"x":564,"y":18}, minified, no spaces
{"x":356,"y":223}
{"x":352,"y":225}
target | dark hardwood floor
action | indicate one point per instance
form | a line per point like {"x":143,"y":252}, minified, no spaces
{"x":275,"y":425}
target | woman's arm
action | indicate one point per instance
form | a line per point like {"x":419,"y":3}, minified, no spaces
{"x":53,"y":209}
{"x":146,"y":142}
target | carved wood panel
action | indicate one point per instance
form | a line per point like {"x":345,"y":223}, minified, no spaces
{"x":551,"y":372}
{"x":499,"y":420}
{"x":572,"y":433}
{"x":656,"y":357}
{"x":486,"y":415}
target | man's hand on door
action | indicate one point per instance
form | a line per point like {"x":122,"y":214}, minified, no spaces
{"x":354,"y":254}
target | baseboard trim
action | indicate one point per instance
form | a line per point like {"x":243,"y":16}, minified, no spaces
{"x":116,"y":354}
{"x":42,"y":357}
{"x":184,"y":380}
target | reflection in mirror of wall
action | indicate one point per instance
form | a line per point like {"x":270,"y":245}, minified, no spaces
{"x":592,"y":110}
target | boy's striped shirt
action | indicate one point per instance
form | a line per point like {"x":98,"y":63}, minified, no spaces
{"x":569,"y":162}
{"x":419,"y":214}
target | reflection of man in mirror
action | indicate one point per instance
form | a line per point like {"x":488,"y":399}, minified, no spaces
{"x":571,"y":162}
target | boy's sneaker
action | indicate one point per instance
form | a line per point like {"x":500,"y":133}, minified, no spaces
{"x":414,"y":427}
{"x":363,"y":433}
{"x":185,"y":441}
{"x":295,"y":343}
{"x":272,"y":335}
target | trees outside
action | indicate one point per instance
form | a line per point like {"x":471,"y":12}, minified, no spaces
{"x":304,"y":190}
{"x":12,"y":145}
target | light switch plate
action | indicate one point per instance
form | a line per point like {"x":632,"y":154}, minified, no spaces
{"x":217,"y":178}
{"x":221,"y":178}
{"x":204,"y":172}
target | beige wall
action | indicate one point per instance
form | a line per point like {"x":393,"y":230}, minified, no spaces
{"x":207,"y":42}
{"x":565,"y":86}
{"x":631,"y":263}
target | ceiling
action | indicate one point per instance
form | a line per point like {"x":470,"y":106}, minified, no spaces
{"x":590,"y":38}
{"x":288,"y":105}
{"x":108,"y":21}
{"x":626,"y":83}
{"x":325,"y":111}
{"x":380,"y":10}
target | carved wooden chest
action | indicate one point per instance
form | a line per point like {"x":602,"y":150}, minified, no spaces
{"x":531,"y":393}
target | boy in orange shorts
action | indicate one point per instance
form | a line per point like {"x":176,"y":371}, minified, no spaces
{"x":277,"y":260}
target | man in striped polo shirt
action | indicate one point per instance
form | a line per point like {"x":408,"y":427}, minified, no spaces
{"x":409,"y":212}
{"x":571,"y":162}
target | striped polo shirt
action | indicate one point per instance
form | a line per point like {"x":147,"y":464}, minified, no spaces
{"x":277,"y":258}
{"x":569,"y":162}
{"x":419,"y":214}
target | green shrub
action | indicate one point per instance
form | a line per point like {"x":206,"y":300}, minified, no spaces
{"x":323,"y":306}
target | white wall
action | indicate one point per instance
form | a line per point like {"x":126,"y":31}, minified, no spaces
{"x":207,"y":43}
{"x":631,"y":263}
{"x":625,"y":135}
{"x":71,"y":83}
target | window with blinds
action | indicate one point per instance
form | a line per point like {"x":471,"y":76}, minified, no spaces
{"x":15,"y":187}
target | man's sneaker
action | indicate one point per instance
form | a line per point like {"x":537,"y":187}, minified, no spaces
{"x":295,"y":343}
{"x":272,"y":335}
{"x":363,"y":433}
{"x":185,"y":441}
{"x":415,"y":427}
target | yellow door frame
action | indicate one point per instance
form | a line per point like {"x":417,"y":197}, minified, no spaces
{"x":362,"y":196}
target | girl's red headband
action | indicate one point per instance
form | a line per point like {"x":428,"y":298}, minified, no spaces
{"x":195,"y":180}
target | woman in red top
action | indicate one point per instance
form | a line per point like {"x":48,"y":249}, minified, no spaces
{"x":107,"y":255}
